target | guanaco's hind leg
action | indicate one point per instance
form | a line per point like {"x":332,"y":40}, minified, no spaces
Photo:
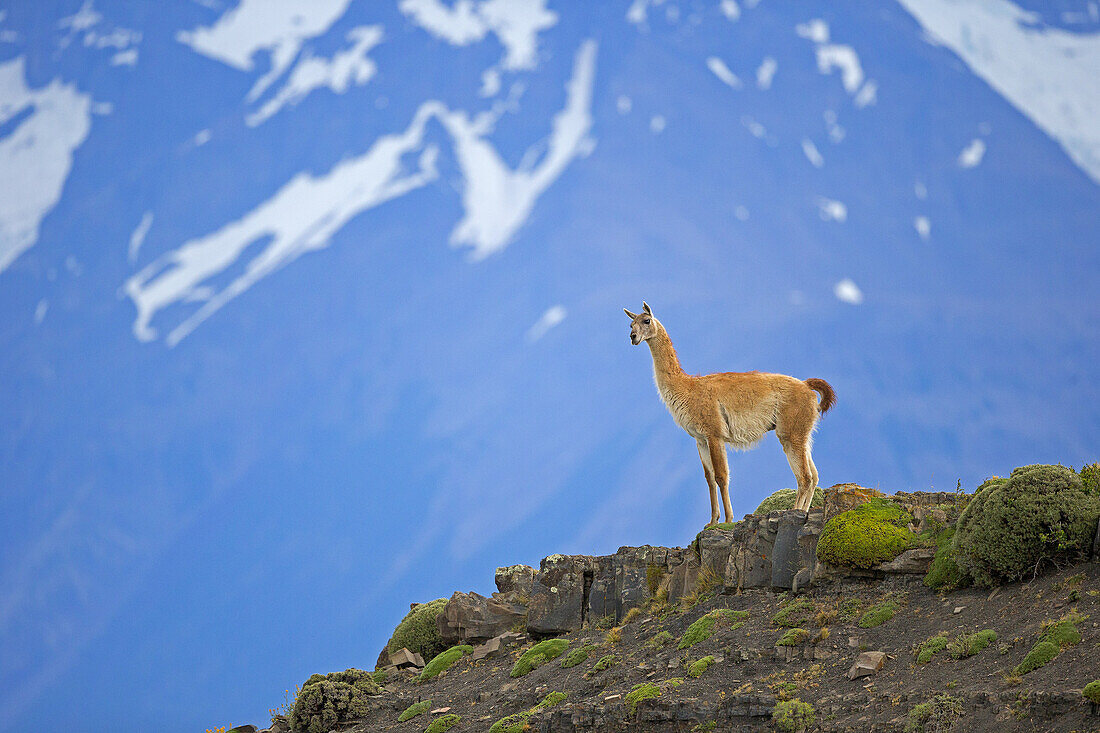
{"x":804,"y":472}
{"x":708,"y":469}
{"x":721,"y":468}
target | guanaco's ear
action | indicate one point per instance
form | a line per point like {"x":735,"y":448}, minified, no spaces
{"x":632,"y":315}
{"x":645,"y":307}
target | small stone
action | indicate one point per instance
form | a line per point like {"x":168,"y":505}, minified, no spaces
{"x":490,"y":648}
{"x":609,"y":698}
{"x":959,"y":609}
{"x":853,"y":642}
{"x":867,"y":664}
{"x":440,"y":711}
{"x":403,"y":658}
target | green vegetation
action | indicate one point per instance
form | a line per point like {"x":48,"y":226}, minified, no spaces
{"x":443,"y":661}
{"x":784,"y":499}
{"x":705,"y":727}
{"x":930,"y":648}
{"x":851,"y":609}
{"x":1011,"y":526}
{"x":938,"y":714}
{"x":417,"y":632}
{"x":1090,"y":478}
{"x":872,"y":533}
{"x":698,"y":631}
{"x":538,"y":655}
{"x":1092,"y":690}
{"x":642,"y":691}
{"x":660,"y":640}
{"x":697,"y":668}
{"x":879,"y":614}
{"x":518,"y":722}
{"x":328,"y":699}
{"x":793,"y":637}
{"x":967,"y":645}
{"x":415,"y":709}
{"x":606,"y":662}
{"x":674,"y":682}
{"x":792,"y":715}
{"x":1056,"y":636}
{"x":575,"y":657}
{"x":443,"y":723}
{"x":654,"y":574}
{"x":945,"y":573}
{"x":380,"y":676}
{"x":798,"y":612}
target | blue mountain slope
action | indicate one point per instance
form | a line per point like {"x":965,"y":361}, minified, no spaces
{"x":303,"y":322}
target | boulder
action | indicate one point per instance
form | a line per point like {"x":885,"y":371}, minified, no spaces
{"x":684,"y":577}
{"x":634,"y":568}
{"x":470,"y":618}
{"x":917,"y":560}
{"x":867,"y":663}
{"x":487,"y":650}
{"x":842,"y":497}
{"x":559,"y":596}
{"x":786,"y":552}
{"x":750,"y":559}
{"x":403,"y":658}
{"x":714,"y":548}
{"x":516,"y":578}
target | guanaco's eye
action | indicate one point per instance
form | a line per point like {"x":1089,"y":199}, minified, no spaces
{"x":646,"y":321}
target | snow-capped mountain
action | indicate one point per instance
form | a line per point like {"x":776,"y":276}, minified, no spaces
{"x":312,"y":308}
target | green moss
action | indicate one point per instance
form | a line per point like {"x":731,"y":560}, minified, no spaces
{"x":938,"y":714}
{"x":930,"y":648}
{"x":698,"y":667}
{"x":417,"y":632}
{"x":1092,"y":691}
{"x":674,"y":682}
{"x":518,"y":722}
{"x":660,"y":640}
{"x":705,"y":727}
{"x":878,"y":615}
{"x":792,"y":715}
{"x":417,"y":708}
{"x":642,"y":691}
{"x":443,"y":661}
{"x":575,"y":657}
{"x":793,"y":637}
{"x":328,"y":699}
{"x":784,"y":499}
{"x":1010,"y":527}
{"x":872,"y":533}
{"x":443,"y":723}
{"x":798,"y":612}
{"x":538,"y":655}
{"x":1040,"y":654}
{"x":967,"y":645}
{"x":945,"y":573}
{"x":1063,"y":634}
{"x":606,"y":662}
{"x":701,"y":629}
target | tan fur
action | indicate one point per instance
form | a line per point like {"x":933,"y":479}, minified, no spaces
{"x":735,"y":408}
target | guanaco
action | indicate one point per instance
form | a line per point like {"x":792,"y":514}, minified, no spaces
{"x":735,"y":408}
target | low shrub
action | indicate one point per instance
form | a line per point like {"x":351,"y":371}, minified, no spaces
{"x":945,"y":573}
{"x":632,"y":615}
{"x":417,"y":708}
{"x":793,"y":637}
{"x":1011,"y":526}
{"x":614,"y":636}
{"x":702,"y":628}
{"x":1040,"y":654}
{"x":606,"y":662}
{"x":1056,"y":636}
{"x":792,"y":715}
{"x":930,"y":648}
{"x":443,"y":661}
{"x":641,"y":691}
{"x":418,"y":632}
{"x":872,"y":533}
{"x":659,"y":640}
{"x":517,"y":723}
{"x":798,"y":612}
{"x":698,"y":667}
{"x":328,"y":699}
{"x":1090,"y":478}
{"x":1092,"y":690}
{"x":443,"y":723}
{"x":878,"y":615}
{"x":784,"y":499}
{"x":934,"y":716}
{"x":580,"y":654}
{"x":538,"y":655}
{"x":967,"y":645}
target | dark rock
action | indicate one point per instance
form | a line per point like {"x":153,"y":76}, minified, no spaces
{"x":750,"y":559}
{"x":403,"y":658}
{"x":631,"y":567}
{"x":714,"y":549}
{"x":487,"y":650}
{"x":242,"y":729}
{"x":278,"y":725}
{"x":516,"y":578}
{"x":559,"y":595}
{"x":472,"y":618}
{"x":684,"y":577}
{"x":786,"y":553}
{"x":916,"y":560}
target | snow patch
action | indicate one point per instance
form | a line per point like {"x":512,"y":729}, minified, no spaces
{"x":812,"y":153}
{"x":718,"y":68}
{"x":552,"y":317}
{"x":347,"y":67}
{"x":1050,"y":75}
{"x":766,"y":72}
{"x":831,"y":210}
{"x":848,"y":292}
{"x":730,"y":9}
{"x":516,"y":23}
{"x":657,"y":124}
{"x":280,"y":29}
{"x":868,"y":94}
{"x":923,"y":225}
{"x":37,"y":155}
{"x":972,"y":154}
{"x":129,"y":57}
{"x":845,"y":58}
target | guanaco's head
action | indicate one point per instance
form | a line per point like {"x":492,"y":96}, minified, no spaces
{"x":643,"y":326}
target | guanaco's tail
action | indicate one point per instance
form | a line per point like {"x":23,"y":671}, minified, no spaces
{"x":823,"y":388}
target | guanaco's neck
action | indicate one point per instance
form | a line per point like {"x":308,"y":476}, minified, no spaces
{"x":666,"y":365}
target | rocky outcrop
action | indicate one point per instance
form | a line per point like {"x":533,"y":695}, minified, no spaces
{"x":470,"y":618}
